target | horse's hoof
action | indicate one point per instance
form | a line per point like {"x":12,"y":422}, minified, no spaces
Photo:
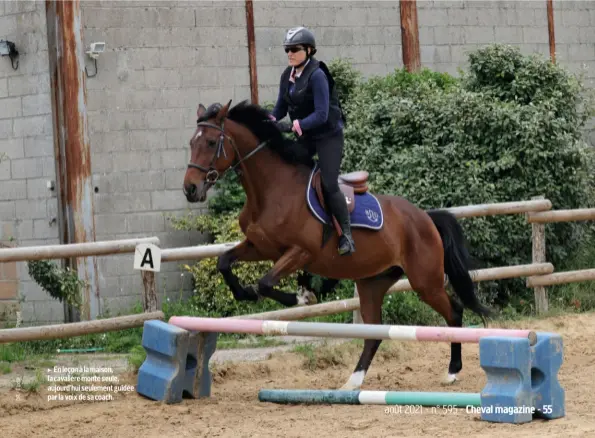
{"x":450,"y":379}
{"x":355,"y":381}
{"x":306,"y":297}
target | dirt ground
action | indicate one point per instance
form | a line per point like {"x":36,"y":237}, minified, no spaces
{"x":234,"y":409}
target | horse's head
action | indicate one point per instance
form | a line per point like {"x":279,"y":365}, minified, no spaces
{"x":212,"y":152}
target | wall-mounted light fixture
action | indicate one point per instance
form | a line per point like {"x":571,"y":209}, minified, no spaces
{"x":94,"y":50}
{"x":7,"y":48}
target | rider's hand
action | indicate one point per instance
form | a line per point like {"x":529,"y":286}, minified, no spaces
{"x":296,"y":127}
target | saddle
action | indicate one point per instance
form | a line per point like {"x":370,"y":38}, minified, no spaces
{"x":349,"y":184}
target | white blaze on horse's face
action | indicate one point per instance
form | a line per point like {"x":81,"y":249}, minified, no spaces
{"x":198,"y":134}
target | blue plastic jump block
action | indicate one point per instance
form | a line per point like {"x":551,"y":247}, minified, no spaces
{"x":522,"y":380}
{"x":161,"y":376}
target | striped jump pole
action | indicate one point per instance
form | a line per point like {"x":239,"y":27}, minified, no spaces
{"x":308,"y":396}
{"x":335,"y":330}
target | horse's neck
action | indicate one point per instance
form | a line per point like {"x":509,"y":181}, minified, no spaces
{"x":261,"y":174}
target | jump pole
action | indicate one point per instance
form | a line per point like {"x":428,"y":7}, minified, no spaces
{"x":309,"y":396}
{"x":335,"y":330}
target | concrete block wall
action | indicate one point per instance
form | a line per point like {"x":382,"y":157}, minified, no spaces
{"x":162,"y":60}
{"x":165,"y":57}
{"x":27,"y":206}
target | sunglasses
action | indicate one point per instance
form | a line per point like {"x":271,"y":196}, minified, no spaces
{"x":293,"y":49}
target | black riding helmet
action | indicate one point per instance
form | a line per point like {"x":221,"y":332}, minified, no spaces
{"x":301,"y":36}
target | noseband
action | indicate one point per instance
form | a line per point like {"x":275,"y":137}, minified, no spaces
{"x":211,"y":171}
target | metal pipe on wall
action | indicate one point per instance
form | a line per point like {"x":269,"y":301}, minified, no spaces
{"x":410,"y":35}
{"x":550,"y":29}
{"x":71,"y":141}
{"x":251,"y":51}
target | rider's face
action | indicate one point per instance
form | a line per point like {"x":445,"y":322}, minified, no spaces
{"x":295,"y":55}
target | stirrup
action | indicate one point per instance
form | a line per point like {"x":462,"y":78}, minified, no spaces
{"x":346,"y":245}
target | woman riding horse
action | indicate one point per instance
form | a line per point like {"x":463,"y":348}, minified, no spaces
{"x":307,"y":92}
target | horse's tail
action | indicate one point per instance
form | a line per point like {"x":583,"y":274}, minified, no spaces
{"x":457,"y":261}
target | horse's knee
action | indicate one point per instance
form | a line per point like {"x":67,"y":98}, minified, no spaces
{"x":223,"y":263}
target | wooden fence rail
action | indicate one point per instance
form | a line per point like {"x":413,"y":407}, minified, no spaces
{"x":539,"y":273}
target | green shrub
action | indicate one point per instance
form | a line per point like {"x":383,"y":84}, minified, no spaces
{"x":440,"y":143}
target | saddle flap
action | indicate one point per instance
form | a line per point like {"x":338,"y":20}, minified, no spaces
{"x":347,"y":190}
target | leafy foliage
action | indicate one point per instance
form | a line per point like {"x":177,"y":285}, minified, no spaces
{"x":510,"y":130}
{"x":61,"y":284}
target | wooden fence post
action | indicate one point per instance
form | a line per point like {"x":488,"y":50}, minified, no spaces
{"x":149,"y":297}
{"x":357,"y":315}
{"x":538,"y":240}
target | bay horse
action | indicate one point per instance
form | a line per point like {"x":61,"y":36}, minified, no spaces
{"x":279,"y":225}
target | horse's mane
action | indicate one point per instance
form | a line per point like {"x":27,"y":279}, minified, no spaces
{"x":256,"y":119}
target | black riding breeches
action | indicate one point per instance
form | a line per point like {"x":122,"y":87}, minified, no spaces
{"x":330,"y":154}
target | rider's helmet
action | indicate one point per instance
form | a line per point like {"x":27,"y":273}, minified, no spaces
{"x":300,"y":36}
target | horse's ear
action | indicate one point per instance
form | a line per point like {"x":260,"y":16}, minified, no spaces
{"x":223,"y":112}
{"x":201,"y":110}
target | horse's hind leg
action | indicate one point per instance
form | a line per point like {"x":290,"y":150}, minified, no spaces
{"x":371,"y":293}
{"x":429,"y":284}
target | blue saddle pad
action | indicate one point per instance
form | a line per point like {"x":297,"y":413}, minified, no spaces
{"x":367,"y":213}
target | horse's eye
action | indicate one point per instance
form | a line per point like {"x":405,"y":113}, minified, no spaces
{"x":211,"y":143}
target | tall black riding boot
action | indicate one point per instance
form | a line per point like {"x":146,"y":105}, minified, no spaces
{"x":338,"y":207}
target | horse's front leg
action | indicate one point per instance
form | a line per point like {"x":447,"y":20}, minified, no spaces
{"x":245,"y":251}
{"x":292,"y":260}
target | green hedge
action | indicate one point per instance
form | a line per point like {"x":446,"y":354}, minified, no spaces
{"x":511,"y":128}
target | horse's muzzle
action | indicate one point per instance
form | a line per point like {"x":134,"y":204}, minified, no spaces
{"x":195,"y":193}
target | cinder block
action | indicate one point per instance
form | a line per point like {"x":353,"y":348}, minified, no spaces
{"x":131,"y":161}
{"x":161,"y":376}
{"x":41,"y":146}
{"x":7,"y":210}
{"x":32,"y":209}
{"x":535,"y":35}
{"x":168,"y":200}
{"x":446,"y":35}
{"x":102,"y":163}
{"x":161,"y":78}
{"x":8,"y":24}
{"x":146,"y":181}
{"x":28,"y":84}
{"x":5,"y":129}
{"x":165,"y":118}
{"x":174,"y":158}
{"x":3,"y":87}
{"x":479,"y":34}
{"x":5,"y":173}
{"x":145,"y":222}
{"x":435,"y":54}
{"x":10,"y":107}
{"x":122,"y":202}
{"x":111,"y":182}
{"x":509,"y":35}
{"x":108,"y":224}
{"x":27,"y":168}
{"x":178,"y":16}
{"x":37,"y":104}
{"x":522,"y":380}
{"x":33,"y":126}
{"x":13,"y":190}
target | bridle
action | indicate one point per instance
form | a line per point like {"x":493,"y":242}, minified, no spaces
{"x":212,"y":173}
